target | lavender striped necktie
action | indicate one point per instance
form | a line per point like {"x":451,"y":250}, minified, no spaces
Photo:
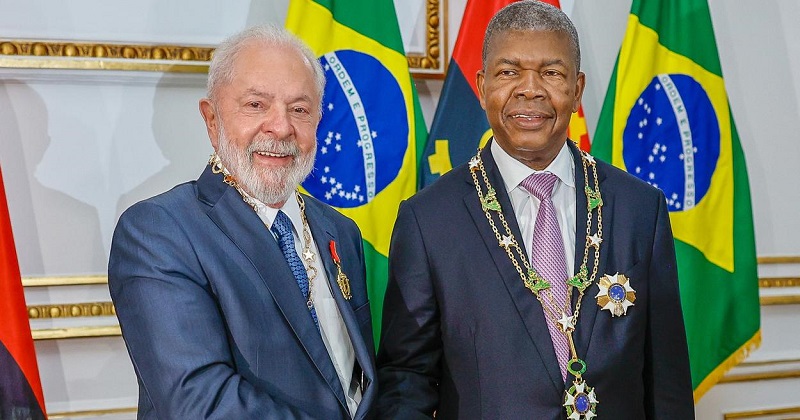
{"x":547,"y":258}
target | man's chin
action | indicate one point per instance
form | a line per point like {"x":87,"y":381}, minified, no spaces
{"x":274,"y":198}
{"x":271,"y":165}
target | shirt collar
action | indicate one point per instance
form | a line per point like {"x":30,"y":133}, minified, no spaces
{"x":268,"y":214}
{"x":514,"y":171}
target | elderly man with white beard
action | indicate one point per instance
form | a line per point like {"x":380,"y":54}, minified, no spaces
{"x":239,"y":297}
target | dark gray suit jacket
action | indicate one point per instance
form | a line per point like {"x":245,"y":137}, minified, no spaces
{"x":213,"y":319}
{"x":464,"y":337}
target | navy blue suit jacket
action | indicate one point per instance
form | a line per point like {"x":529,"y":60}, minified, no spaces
{"x":213,"y":319}
{"x":462,"y":336}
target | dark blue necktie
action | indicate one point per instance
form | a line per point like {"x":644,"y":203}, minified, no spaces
{"x":282,"y":227}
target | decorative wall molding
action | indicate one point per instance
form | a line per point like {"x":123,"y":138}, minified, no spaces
{"x":39,"y":54}
{"x":91,"y":413}
{"x":63,"y":280}
{"x":768,"y":282}
{"x":105,"y":51}
{"x":768,"y":362}
{"x":67,"y":54}
{"x":791,"y":259}
{"x":780,"y":300}
{"x":760,"y":376}
{"x":762,"y":412}
{"x":76,"y":332}
{"x":71,"y":310}
{"x":771,"y":284}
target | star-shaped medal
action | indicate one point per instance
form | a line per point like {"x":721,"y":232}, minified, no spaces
{"x":507,"y":241}
{"x":566,"y":323}
{"x":580,"y":401}
{"x":616,"y":294}
{"x":473,"y":164}
{"x":595,"y":240}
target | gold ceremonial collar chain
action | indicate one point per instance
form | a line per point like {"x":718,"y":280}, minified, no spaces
{"x":540,"y":287}
{"x":308,"y":254}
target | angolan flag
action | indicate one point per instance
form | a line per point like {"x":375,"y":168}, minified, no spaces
{"x":20,"y":389}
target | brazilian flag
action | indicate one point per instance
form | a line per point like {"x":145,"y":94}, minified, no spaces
{"x":372,"y":125}
{"x":666,"y":119}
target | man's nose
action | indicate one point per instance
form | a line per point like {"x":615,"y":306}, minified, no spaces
{"x":277,"y":122}
{"x":530,"y":85}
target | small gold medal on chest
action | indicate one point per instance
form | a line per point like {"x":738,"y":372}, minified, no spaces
{"x":341,"y":278}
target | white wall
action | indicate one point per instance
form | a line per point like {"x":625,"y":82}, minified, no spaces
{"x":79,"y":146}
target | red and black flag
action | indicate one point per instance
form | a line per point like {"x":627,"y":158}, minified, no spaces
{"x":460,"y":126}
{"x":20,"y":388}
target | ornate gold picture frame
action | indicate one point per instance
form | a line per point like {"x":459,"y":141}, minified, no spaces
{"x":430,"y":62}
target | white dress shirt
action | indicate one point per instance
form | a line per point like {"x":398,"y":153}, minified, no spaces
{"x":332,"y":328}
{"x":526,"y":205}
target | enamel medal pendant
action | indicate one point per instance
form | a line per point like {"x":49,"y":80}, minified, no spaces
{"x":616,"y":294}
{"x":580,"y":400}
{"x":341,"y":278}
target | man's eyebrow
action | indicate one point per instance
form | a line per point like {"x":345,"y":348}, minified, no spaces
{"x":256,"y":92}
{"x":517,"y":63}
{"x":553,"y":61}
{"x":262,"y":94}
{"x":508,"y":61}
{"x":303,"y":97}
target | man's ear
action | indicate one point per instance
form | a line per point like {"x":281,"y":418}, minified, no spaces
{"x":580,"y":84}
{"x":480,"y":77}
{"x":209,"y":113}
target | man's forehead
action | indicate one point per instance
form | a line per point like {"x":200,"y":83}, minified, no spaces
{"x":276,"y":55}
{"x":526,"y":37}
{"x":529,"y":34}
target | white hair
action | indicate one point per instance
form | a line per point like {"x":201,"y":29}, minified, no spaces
{"x":220,"y":71}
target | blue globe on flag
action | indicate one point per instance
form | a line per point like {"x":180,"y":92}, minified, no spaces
{"x":363,"y":135}
{"x":672,"y":139}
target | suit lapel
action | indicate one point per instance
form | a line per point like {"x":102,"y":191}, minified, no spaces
{"x":528,"y":307}
{"x":324,"y":232}
{"x":242,"y":226}
{"x":589,"y":308}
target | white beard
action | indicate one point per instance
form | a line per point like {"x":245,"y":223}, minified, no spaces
{"x":270,"y":186}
